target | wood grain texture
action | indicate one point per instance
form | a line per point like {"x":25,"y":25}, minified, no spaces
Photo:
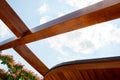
{"x":86,"y":73}
{"x":92,"y":74}
{"x":98,"y":13}
{"x":92,"y":65}
{"x":109,"y":76}
{"x":11,"y":19}
{"x":29,"y":56}
{"x":95,"y":14}
{"x":15,"y":24}
{"x":78,"y":75}
{"x":100,"y":74}
{"x":116,"y":73}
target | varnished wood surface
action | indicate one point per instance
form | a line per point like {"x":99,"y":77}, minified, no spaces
{"x":98,"y":13}
{"x":30,"y":57}
{"x":101,"y":12}
{"x":69,"y":71}
{"x":10,"y":18}
{"x":14,"y":23}
{"x":78,"y":13}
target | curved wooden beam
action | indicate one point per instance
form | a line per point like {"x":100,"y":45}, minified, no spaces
{"x":91,"y":69}
{"x":100,"y":12}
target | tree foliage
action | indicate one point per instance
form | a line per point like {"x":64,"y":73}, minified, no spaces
{"x":15,"y":71}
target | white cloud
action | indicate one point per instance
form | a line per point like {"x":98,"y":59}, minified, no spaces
{"x":44,"y":19}
{"x":81,"y":3}
{"x":44,"y":8}
{"x":3,"y":29}
{"x":86,"y":40}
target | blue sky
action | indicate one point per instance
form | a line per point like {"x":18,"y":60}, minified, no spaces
{"x":101,"y":40}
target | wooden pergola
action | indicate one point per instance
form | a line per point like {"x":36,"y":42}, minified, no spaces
{"x":81,"y":70}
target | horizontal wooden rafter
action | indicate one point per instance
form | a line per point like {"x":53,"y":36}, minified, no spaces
{"x":10,"y":18}
{"x":100,"y":12}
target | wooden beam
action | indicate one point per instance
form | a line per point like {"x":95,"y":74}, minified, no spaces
{"x":100,"y":12}
{"x":11,"y":19}
{"x":19,"y":29}
{"x":87,"y":69}
{"x":97,"y":65}
{"x":29,"y":56}
{"x":88,"y":64}
{"x":79,"y":13}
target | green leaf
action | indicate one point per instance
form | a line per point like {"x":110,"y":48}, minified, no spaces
{"x":15,"y":71}
{"x":1,"y":79}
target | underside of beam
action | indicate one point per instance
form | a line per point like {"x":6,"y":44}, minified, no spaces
{"x":86,"y":70}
